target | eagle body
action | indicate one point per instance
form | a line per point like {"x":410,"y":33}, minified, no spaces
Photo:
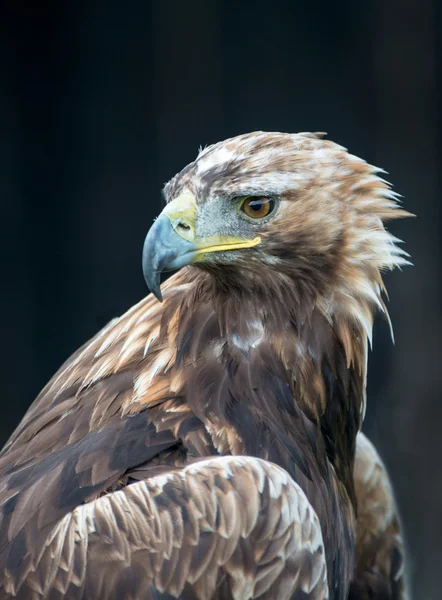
{"x":204,"y":447}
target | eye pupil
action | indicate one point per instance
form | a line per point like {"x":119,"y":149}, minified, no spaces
{"x":258,"y":207}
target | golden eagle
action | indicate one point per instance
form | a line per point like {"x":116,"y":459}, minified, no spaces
{"x":204,"y":447}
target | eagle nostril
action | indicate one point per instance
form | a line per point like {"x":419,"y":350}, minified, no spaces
{"x":183,"y":226}
{"x":183,"y":229}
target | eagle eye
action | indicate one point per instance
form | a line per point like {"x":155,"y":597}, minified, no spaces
{"x":257,"y":207}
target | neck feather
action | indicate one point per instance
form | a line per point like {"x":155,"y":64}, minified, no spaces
{"x":276,"y":353}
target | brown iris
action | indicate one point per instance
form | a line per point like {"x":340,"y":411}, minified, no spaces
{"x":257,"y":207}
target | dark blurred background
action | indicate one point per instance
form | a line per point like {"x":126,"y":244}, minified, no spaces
{"x":101,"y":102}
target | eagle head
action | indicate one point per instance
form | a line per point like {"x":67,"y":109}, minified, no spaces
{"x":279,"y":208}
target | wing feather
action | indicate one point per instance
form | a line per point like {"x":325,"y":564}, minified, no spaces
{"x":380,"y":552}
{"x":136,"y":540}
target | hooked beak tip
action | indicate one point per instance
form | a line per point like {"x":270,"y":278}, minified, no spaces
{"x":152,"y":280}
{"x":158,"y":295}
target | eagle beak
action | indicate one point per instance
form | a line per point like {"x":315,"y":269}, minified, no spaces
{"x":172,"y":243}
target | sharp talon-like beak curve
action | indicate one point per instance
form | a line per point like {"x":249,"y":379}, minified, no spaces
{"x":163,"y":250}
{"x":172,"y":244}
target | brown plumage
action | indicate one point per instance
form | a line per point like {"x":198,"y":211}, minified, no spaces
{"x":258,"y":349}
{"x":380,"y":553}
